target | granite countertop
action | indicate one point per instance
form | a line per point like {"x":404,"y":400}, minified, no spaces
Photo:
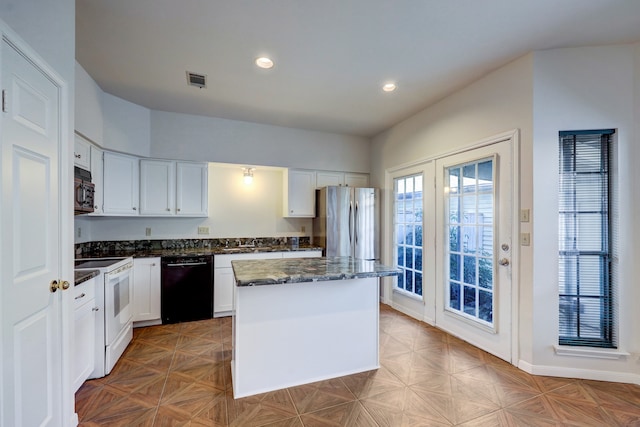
{"x":82,"y":276}
{"x":218,"y":250}
{"x":296,"y":270}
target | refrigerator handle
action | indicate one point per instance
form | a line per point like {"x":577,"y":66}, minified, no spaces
{"x":355,"y":224}
{"x":350,"y":222}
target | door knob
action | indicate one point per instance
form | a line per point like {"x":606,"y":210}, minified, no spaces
{"x":53,"y":286}
{"x":504,"y":261}
{"x":64,"y":285}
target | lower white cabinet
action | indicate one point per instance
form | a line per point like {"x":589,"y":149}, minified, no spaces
{"x":223,"y":281}
{"x":85,"y":312}
{"x":146,"y":291}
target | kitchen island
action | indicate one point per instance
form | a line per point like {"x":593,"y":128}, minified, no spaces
{"x":298,"y":321}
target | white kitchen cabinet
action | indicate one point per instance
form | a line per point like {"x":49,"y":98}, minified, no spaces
{"x":223,"y":279}
{"x":169,"y":188}
{"x":121,"y":184}
{"x":157,"y":187}
{"x":299,"y":196}
{"x":85,"y":312}
{"x":192,"y":189}
{"x":97,"y":179}
{"x":326,"y":178}
{"x":359,"y":180}
{"x":82,"y":153}
{"x":349,"y":179}
{"x":146,"y":291}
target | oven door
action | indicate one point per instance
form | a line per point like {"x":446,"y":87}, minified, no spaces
{"x":118,"y":301}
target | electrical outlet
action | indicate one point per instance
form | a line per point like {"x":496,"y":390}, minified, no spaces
{"x":524,"y":215}
{"x":147,"y":231}
{"x":303,"y":229}
{"x":525,"y":239}
{"x":203,"y":230}
{"x":79,"y":232}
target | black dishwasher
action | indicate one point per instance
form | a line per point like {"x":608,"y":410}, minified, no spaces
{"x":186,"y":288}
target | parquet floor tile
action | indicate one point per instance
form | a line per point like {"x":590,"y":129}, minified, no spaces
{"x":180,"y":375}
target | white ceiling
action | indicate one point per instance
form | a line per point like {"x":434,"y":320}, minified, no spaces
{"x":331,"y":56}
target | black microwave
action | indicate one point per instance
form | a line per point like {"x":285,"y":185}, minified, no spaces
{"x":83,"y":191}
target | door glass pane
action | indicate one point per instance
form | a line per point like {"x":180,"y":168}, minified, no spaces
{"x":470,"y":213}
{"x":408,"y":232}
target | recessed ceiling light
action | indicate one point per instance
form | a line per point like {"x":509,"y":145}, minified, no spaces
{"x":389,"y":87}
{"x":264,"y":62}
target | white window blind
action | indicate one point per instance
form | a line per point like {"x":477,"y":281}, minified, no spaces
{"x":586,"y":239}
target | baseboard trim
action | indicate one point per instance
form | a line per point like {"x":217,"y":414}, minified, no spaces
{"x":586,"y":374}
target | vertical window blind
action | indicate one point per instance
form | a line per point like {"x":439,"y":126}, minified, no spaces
{"x":587,"y":291}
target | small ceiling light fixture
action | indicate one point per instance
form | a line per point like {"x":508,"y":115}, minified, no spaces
{"x":389,"y":87}
{"x":248,"y":175}
{"x":264,"y":62}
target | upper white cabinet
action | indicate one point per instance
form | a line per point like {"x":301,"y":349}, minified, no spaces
{"x":157,"y":187}
{"x":82,"y":153}
{"x":97,"y":179}
{"x":359,"y":180}
{"x":121,"y":184}
{"x":192,"y":189}
{"x":325,"y":178}
{"x":169,"y":188}
{"x":299,"y":193}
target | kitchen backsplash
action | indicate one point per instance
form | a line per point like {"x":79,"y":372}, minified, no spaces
{"x":105,"y":247}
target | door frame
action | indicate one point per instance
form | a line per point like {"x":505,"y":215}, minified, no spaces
{"x":388,"y":296}
{"x":66,"y":240}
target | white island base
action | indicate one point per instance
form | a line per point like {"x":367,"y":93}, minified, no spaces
{"x":297,"y":333}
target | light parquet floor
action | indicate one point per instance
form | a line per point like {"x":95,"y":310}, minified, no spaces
{"x":180,"y":375}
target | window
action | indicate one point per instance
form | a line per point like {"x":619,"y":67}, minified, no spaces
{"x":408,"y":232}
{"x":586,"y":238}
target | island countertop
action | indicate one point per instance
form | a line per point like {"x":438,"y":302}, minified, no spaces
{"x":297,"y":270}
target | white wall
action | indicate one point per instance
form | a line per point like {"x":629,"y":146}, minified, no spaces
{"x":499,"y":102}
{"x":126,"y":126}
{"x":541,"y":94}
{"x":235,"y":210}
{"x":88,"y":106}
{"x":584,"y":88}
{"x":188,"y":137}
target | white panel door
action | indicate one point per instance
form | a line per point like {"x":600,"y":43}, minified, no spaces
{"x":473,"y":277}
{"x":32,"y":383}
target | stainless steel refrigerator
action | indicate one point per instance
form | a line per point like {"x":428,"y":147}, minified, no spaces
{"x":347,"y":222}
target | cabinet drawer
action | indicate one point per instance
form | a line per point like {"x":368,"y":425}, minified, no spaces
{"x":84,"y":292}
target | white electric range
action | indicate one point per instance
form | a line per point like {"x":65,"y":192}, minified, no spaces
{"x":114,"y":299}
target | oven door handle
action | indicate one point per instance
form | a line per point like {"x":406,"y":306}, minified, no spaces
{"x":121,"y":271}
{"x":186,"y":264}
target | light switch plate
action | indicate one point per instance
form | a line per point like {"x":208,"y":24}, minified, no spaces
{"x":525,"y":239}
{"x":524,"y":215}
{"x":203,"y":230}
{"x":147,"y":231}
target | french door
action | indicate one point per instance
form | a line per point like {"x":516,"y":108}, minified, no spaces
{"x":473,"y":241}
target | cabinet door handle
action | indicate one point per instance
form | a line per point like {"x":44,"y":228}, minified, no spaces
{"x":95,"y":309}
{"x":82,"y":295}
{"x":134,"y":208}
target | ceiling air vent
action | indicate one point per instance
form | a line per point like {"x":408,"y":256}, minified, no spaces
{"x":198,"y":80}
